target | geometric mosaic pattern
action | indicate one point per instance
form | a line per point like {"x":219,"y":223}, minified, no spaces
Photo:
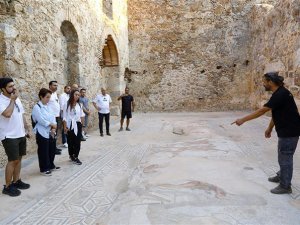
{"x":87,"y":201}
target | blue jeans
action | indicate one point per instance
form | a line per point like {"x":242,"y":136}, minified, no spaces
{"x":286,"y":149}
{"x":86,"y":121}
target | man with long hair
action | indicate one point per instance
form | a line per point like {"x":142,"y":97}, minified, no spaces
{"x":286,"y":119}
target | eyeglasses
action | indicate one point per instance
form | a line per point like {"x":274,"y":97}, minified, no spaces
{"x":18,"y":108}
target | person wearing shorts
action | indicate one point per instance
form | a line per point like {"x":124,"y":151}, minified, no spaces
{"x":13,"y":133}
{"x":127,"y":108}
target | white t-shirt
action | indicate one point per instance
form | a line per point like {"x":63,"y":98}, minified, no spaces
{"x":63,"y":100}
{"x":12,"y":127}
{"x":102,"y":101}
{"x":54,"y":104}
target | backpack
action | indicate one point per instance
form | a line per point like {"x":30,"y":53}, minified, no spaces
{"x":33,"y":123}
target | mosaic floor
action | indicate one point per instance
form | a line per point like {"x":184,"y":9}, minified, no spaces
{"x":184,"y":168}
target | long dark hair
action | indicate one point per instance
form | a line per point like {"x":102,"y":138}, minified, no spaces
{"x":71,"y":100}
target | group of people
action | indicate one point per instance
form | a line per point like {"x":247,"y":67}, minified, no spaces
{"x":70,"y":111}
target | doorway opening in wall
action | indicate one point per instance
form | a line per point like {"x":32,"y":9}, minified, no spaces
{"x":70,"y":53}
{"x":110,"y":68}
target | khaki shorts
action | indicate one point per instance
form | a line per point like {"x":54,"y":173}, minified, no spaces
{"x":15,"y":148}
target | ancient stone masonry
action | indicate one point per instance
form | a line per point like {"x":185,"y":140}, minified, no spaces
{"x":62,"y":40}
{"x":190,"y":55}
{"x":108,"y":7}
{"x":177,"y":55}
{"x":275,"y":46}
{"x":7,"y":7}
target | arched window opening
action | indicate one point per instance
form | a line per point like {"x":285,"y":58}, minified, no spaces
{"x":110,"y":56}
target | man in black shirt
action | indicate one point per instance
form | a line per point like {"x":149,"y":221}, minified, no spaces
{"x":286,"y":119}
{"x":127,"y":108}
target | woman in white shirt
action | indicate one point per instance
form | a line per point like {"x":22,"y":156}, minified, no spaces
{"x":45,"y":128}
{"x":73,"y":117}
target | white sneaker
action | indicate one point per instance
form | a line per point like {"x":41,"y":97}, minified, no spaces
{"x":46,"y":173}
{"x":87,"y":135}
{"x":57,"y":168}
{"x":65,"y":145}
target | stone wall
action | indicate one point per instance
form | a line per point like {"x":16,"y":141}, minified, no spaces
{"x":189,"y":55}
{"x":276,"y":46}
{"x":184,"y":55}
{"x":61,"y":40}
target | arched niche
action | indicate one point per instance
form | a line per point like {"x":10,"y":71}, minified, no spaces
{"x":110,"y":53}
{"x":70,"y":50}
{"x":110,"y":71}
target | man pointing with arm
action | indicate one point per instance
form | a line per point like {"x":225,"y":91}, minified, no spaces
{"x":286,"y":119}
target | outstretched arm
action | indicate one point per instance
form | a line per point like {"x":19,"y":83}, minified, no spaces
{"x":252,"y":116}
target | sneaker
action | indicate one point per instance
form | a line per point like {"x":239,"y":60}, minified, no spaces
{"x":87,"y":135}
{"x":47,"y":173}
{"x":128,"y":129}
{"x":108,"y":134}
{"x":65,"y":145}
{"x":57,"y":168}
{"x":84,"y":136}
{"x":19,"y":184}
{"x":77,"y":161}
{"x":101,"y":135}
{"x":11,"y":190}
{"x":57,"y":152}
{"x":72,"y":158}
{"x":281,"y":190}
{"x":121,"y":129}
{"x":275,"y":179}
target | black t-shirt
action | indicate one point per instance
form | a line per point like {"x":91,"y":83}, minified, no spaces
{"x":284,"y":113}
{"x":126,"y":103}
